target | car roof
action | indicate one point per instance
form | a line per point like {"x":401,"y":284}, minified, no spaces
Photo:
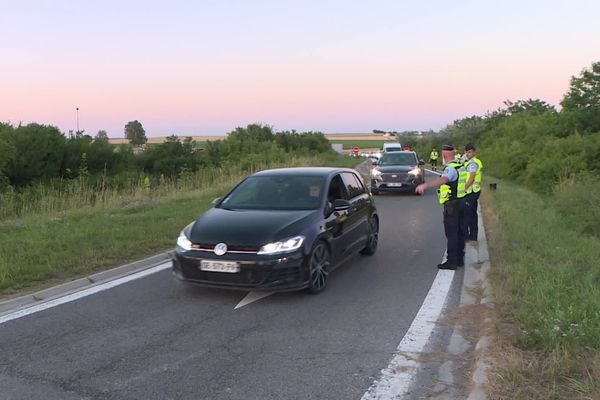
{"x":400,"y":152}
{"x":302,"y":171}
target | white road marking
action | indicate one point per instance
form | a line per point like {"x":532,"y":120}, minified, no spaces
{"x":83,"y":293}
{"x":252,"y":297}
{"x":396,"y":379}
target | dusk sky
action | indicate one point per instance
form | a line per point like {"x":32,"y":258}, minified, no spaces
{"x":206,"y":67}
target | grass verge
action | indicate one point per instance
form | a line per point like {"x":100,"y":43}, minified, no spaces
{"x":46,"y":248}
{"x":545,"y":277}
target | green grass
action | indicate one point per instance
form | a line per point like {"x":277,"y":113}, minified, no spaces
{"x":546,"y":281}
{"x":71,"y":237}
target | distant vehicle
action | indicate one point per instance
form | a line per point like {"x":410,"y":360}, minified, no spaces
{"x":391,"y":146}
{"x":281,"y":229}
{"x":397,"y":171}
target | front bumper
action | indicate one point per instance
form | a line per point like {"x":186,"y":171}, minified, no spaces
{"x":283,"y":272}
{"x":396,"y":182}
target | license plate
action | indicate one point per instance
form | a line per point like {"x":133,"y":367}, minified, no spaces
{"x":394,"y":184}
{"x":219,"y":266}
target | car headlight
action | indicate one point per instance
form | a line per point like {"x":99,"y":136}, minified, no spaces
{"x":416,"y":171}
{"x":183,"y":242}
{"x":283,"y":246}
{"x":375,"y":173}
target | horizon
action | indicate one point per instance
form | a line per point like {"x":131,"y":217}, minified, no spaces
{"x":203,"y":69}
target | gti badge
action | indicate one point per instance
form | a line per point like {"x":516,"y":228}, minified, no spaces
{"x":220,"y":249}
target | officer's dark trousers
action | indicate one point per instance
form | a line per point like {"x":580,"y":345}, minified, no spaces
{"x":455,"y":224}
{"x":471,"y":204}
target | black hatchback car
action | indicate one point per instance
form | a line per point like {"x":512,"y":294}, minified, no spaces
{"x":280,"y":229}
{"x":397,"y":171}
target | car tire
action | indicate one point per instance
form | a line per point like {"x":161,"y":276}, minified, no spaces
{"x":319,"y":262}
{"x":373,"y":237}
{"x":374,"y":192}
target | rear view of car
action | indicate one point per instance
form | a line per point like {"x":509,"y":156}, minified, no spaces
{"x":397,"y":171}
{"x":392,"y":146}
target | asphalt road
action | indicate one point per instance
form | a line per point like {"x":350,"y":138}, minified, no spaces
{"x":154,"y":338}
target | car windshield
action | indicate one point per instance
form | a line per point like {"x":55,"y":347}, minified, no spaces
{"x":276,"y":193}
{"x":398,"y":159}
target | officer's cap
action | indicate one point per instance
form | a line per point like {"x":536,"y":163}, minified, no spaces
{"x":447,"y":147}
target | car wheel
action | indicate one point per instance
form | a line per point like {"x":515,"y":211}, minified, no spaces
{"x":318,"y":267}
{"x":374,"y":192}
{"x":373,"y":238}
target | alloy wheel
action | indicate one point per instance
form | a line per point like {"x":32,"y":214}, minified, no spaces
{"x":373,"y":238}
{"x":319,"y":268}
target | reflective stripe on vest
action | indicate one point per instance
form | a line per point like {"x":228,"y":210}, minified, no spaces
{"x":457,"y":189}
{"x":476,"y":186}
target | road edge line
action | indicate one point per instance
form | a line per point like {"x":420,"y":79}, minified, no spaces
{"x":396,"y":379}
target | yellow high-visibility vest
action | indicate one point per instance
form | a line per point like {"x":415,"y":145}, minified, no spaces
{"x":457,"y":189}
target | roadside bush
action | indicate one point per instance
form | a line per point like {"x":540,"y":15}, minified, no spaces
{"x":578,"y":198}
{"x":171,"y":157}
{"x":39,"y":152}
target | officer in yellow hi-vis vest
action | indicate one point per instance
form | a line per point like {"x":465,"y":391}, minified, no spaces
{"x":433,"y":157}
{"x":451,"y":193}
{"x":473,"y":165}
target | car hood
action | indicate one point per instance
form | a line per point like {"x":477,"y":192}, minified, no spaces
{"x":249,"y":228}
{"x":396,"y":168}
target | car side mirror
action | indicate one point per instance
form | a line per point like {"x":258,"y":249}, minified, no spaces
{"x":216,"y":201}
{"x":421,"y":162}
{"x":340,"y":205}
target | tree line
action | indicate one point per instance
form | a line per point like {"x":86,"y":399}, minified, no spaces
{"x":554,"y":152}
{"x":37,"y":153}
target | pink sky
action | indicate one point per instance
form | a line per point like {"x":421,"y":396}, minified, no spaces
{"x":194,"y":68}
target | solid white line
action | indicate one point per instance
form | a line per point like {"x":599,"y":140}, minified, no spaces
{"x":251,"y":298}
{"x":82,"y":293}
{"x":396,"y":379}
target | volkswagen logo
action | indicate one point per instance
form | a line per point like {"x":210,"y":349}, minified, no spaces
{"x":220,"y":249}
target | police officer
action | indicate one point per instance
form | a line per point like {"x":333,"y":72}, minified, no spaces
{"x":451,"y":195}
{"x":433,"y":157}
{"x":457,"y":156}
{"x":473,"y":165}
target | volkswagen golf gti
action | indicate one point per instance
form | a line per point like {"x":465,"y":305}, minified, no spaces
{"x":279,"y":230}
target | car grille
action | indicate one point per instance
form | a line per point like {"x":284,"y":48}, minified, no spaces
{"x":245,"y":277}
{"x":230,"y":249}
{"x":395,"y":177}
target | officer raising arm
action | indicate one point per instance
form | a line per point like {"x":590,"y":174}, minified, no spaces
{"x":451,"y":195}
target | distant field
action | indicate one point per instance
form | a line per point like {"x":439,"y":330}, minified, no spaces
{"x":361,"y":144}
{"x":160,"y":139}
{"x":374,"y":140}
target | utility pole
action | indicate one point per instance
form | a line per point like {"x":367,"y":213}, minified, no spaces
{"x":77,"y":109}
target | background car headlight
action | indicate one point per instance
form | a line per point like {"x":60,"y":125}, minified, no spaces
{"x":183,"y":242}
{"x":415,"y":171}
{"x":283,"y":246}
